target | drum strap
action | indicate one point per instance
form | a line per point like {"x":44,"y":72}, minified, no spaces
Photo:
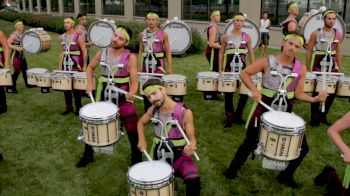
{"x":211,"y":58}
{"x":1,"y":49}
{"x":103,"y":79}
{"x":233,"y":51}
{"x":318,"y":52}
{"x":157,"y":55}
{"x":176,"y":143}
{"x":74,"y":52}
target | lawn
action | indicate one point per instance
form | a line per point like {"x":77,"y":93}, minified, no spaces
{"x":40,"y":147}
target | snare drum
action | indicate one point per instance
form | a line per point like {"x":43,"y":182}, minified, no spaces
{"x":309,"y":83}
{"x":343,"y":88}
{"x":62,"y":81}
{"x":80,"y":81}
{"x":281,"y":135}
{"x":35,"y":41}
{"x":101,"y":32}
{"x":154,"y":178}
{"x":5,"y":77}
{"x":175,"y":84}
{"x":330,"y":84}
{"x":100,"y":123}
{"x":32,"y":74}
{"x":227,"y":83}
{"x":180,"y":36}
{"x":44,"y":80}
{"x":207,"y":81}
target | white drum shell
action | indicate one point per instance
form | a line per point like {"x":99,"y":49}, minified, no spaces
{"x":309,"y":83}
{"x":61,"y":81}
{"x":207,"y":81}
{"x":35,"y":41}
{"x":330,"y":84}
{"x":175,"y":84}
{"x":80,"y":81}
{"x":5,"y":77}
{"x":343,"y":88}
{"x":227,"y":83}
{"x":32,"y":75}
{"x":44,"y":80}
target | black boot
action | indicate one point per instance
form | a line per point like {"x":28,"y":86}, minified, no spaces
{"x":287,"y":180}
{"x":68,"y":110}
{"x":193,"y":187}
{"x":320,"y":179}
{"x":88,"y":157}
{"x":136,"y":155}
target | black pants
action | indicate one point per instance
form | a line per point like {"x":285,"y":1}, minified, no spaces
{"x":230,"y":114}
{"x":68,"y":96}
{"x":316,"y":114}
{"x":3,"y":106}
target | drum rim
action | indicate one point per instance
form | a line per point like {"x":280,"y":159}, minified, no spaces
{"x":90,"y":27}
{"x":97,"y":120}
{"x":188,"y":30}
{"x":172,"y":78}
{"x":282,"y":130}
{"x":36,"y":34}
{"x":213,"y":74}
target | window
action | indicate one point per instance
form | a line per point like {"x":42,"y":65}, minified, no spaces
{"x":201,"y":9}
{"x":87,"y":6}
{"x":142,"y":7}
{"x":68,"y":6}
{"x":54,"y":6}
{"x":113,"y":7}
{"x":35,"y":5}
{"x":43,"y":5}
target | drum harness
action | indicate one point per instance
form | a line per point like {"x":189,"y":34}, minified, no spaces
{"x":153,"y":62}
{"x":67,"y":60}
{"x":236,"y":63}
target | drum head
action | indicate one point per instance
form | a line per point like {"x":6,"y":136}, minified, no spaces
{"x":174,"y":77}
{"x":316,"y":21}
{"x":80,"y":75}
{"x":99,"y":110}
{"x":4,"y":70}
{"x":31,"y":42}
{"x":101,"y":33}
{"x":209,"y":74}
{"x":37,"y":70}
{"x":344,"y":79}
{"x":310,"y":75}
{"x":180,"y":36}
{"x":150,"y":171}
{"x":250,"y":28}
{"x":283,"y":119}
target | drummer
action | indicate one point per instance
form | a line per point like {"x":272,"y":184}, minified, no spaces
{"x":154,"y":41}
{"x":290,"y":24}
{"x":81,"y":28}
{"x":73,"y":44}
{"x":283,"y":63}
{"x":18,"y":59}
{"x":126,"y":78}
{"x":165,"y":109}
{"x":236,"y":38}
{"x":4,"y":63}
{"x":316,"y":53}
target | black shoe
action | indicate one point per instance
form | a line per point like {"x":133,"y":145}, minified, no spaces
{"x":315,"y":123}
{"x":229,"y":175}
{"x":29,"y":86}
{"x":287,"y":181}
{"x":1,"y":157}
{"x":239,"y":121}
{"x":228,"y":123}
{"x":11,"y":90}
{"x":84,"y":161}
{"x":320,"y":179}
{"x":67,"y":111}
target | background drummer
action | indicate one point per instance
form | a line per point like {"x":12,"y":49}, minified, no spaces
{"x":236,"y":38}
{"x":264,"y":26}
{"x":316,"y":53}
{"x":156,"y":40}
{"x":4,"y":63}
{"x":284,"y":63}
{"x":290,"y":24}
{"x":126,"y":79}
{"x":82,"y":29}
{"x":18,"y":59}
{"x":74,"y":44}
{"x":164,"y":109}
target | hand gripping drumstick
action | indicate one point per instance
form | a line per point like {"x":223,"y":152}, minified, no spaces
{"x":125,"y":92}
{"x":262,"y":103}
{"x":147,"y":155}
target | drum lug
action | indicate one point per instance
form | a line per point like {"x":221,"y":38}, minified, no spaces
{"x":80,"y":135}
{"x":258,"y":151}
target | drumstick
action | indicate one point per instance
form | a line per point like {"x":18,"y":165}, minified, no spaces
{"x":262,"y":103}
{"x":323,"y":89}
{"x":91,"y":97}
{"x":125,"y":92}
{"x":147,"y":155}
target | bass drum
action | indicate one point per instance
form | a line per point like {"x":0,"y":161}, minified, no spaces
{"x":101,"y":32}
{"x":312,"y":21}
{"x":250,"y":28}
{"x":179,"y":34}
{"x":35,"y":41}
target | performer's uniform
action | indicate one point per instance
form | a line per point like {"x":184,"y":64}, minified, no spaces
{"x":285,"y":25}
{"x":157,"y":48}
{"x":86,"y":39}
{"x":3,"y":105}
{"x":183,"y":164}
{"x":76,"y":55}
{"x":317,"y":57}
{"x":212,"y":54}
{"x":270,"y":87}
{"x":229,"y":54}
{"x":127,"y":111}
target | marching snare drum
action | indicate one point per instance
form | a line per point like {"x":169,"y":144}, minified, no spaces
{"x":152,"y":178}
{"x":35,"y":41}
{"x":101,"y":32}
{"x":249,"y":27}
{"x":32,"y":75}
{"x":62,"y":81}
{"x":227,"y":83}
{"x":44,"y":80}
{"x":175,"y":84}
{"x":207,"y":81}
{"x":309,"y":83}
{"x":80,"y":81}
{"x":180,"y":36}
{"x":330,"y":84}
{"x":5,"y":77}
{"x":343,"y":88}
{"x":281,"y":135}
{"x":100,"y":123}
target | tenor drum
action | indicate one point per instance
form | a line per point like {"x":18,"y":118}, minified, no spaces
{"x":44,"y":80}
{"x":151,"y":178}
{"x":62,"y":81}
{"x":227,"y":83}
{"x":309,"y":83}
{"x":100,"y":123}
{"x":343,"y":88}
{"x":175,"y":84}
{"x":180,"y":36}
{"x":207,"y":81}
{"x":80,"y":81}
{"x":32,"y":75}
{"x":281,"y":135}
{"x":244,"y":90}
{"x":249,"y":27}
{"x":5,"y":77}
{"x":330,"y":84}
{"x":101,"y":32}
{"x":35,"y":41}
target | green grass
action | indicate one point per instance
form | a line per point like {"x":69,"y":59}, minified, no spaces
{"x":40,"y":147}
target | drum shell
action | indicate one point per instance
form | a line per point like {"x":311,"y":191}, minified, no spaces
{"x":207,"y":81}
{"x":44,"y":80}
{"x":32,"y":75}
{"x":62,"y":82}
{"x":80,"y":82}
{"x":101,"y":132}
{"x":244,"y":90}
{"x":343,"y":88}
{"x":228,"y":85}
{"x":330,"y":86}
{"x":5,"y":77}
{"x":43,"y":36}
{"x":309,"y":83}
{"x":175,"y":84}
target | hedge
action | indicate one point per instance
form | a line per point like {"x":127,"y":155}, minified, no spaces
{"x":55,"y":24}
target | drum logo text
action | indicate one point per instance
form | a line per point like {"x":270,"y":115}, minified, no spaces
{"x":248,"y":26}
{"x":283,"y":146}
{"x":102,"y":25}
{"x":176,"y":26}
